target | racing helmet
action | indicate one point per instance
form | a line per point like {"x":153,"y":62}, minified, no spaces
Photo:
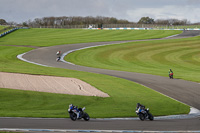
{"x":70,"y":105}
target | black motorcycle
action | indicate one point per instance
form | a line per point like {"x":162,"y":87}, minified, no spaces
{"x":144,"y":114}
{"x":58,"y":58}
{"x":73,"y":114}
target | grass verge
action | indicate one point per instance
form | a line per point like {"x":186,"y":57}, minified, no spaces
{"x":50,"y":37}
{"x":152,"y":57}
{"x":124,"y":94}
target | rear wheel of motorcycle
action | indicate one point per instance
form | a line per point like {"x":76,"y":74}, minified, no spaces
{"x":86,"y":117}
{"x":141,"y":116}
{"x":151,"y":117}
{"x":73,"y":116}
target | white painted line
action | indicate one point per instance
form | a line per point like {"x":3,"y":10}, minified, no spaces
{"x":111,"y":131}
{"x":21,"y":58}
{"x":70,"y":51}
{"x":194,"y":111}
{"x":64,"y":54}
{"x":172,"y":36}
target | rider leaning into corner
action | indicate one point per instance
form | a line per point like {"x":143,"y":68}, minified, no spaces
{"x":71,"y":106}
{"x":171,"y":73}
{"x":58,"y":52}
{"x":140,"y":106}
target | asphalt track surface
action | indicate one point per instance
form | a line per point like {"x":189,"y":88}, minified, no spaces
{"x":181,"y":90}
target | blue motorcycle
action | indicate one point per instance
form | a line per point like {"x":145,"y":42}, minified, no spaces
{"x":75,"y":114}
{"x":144,"y":114}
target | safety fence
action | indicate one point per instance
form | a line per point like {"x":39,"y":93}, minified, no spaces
{"x":143,"y":29}
{"x":7,"y":32}
{"x":133,"y":25}
{"x":65,"y":26}
{"x":11,"y":30}
{"x":93,"y":27}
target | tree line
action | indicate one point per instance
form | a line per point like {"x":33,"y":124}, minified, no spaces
{"x":148,"y":20}
{"x":62,"y":21}
{"x":99,"y":20}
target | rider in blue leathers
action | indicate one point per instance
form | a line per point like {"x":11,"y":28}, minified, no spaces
{"x":142,"y":107}
{"x":72,"y":107}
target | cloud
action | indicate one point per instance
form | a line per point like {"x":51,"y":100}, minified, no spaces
{"x":166,"y":12}
{"x":192,"y":2}
{"x":132,"y":10}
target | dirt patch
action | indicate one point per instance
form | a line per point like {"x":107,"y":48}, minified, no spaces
{"x":50,"y":84}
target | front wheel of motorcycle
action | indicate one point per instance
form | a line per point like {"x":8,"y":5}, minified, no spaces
{"x":86,"y":117}
{"x":73,"y":116}
{"x":141,"y":116}
{"x":151,"y":117}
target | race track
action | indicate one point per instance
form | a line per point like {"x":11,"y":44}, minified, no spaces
{"x":181,"y":90}
{"x":95,"y":124}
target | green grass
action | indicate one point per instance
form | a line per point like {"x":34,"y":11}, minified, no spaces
{"x":152,"y":57}
{"x":50,"y":37}
{"x":38,"y":104}
{"x":124,"y":94}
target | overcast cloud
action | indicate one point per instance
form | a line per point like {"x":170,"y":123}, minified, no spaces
{"x":22,"y":10}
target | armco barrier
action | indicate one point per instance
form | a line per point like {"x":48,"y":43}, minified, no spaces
{"x":14,"y":29}
{"x":7,"y":32}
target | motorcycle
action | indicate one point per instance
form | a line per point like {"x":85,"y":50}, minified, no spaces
{"x":171,"y":75}
{"x":73,"y":114}
{"x":58,"y":53}
{"x":58,"y":59}
{"x":144,"y":114}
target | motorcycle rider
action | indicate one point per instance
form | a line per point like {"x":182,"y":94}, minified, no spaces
{"x":143,"y":113}
{"x":58,"y":58}
{"x":72,"y":107}
{"x":140,"y":106}
{"x":170,"y":72}
{"x":58,"y":52}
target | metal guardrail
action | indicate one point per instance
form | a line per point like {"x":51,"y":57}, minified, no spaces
{"x":7,"y":32}
{"x":11,"y":30}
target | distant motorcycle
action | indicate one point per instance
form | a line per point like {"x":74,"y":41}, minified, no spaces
{"x":58,"y":52}
{"x":171,"y":75}
{"x":73,"y":114}
{"x":58,"y":59}
{"x":144,"y":114}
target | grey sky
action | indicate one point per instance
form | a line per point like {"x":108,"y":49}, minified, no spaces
{"x":132,"y":10}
